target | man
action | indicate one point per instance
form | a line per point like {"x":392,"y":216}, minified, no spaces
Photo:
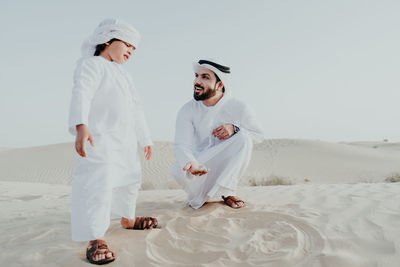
{"x":213,"y":138}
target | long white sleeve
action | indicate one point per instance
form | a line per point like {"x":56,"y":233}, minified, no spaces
{"x":87,"y":78}
{"x":250,"y":124}
{"x":244,"y":117}
{"x":184,"y":137}
{"x":142,"y":129}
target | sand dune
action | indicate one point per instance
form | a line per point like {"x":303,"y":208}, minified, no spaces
{"x":45,"y":164}
{"x":385,"y":145}
{"x":276,"y":161}
{"x":298,"y":161}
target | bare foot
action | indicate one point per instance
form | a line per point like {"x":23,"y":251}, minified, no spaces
{"x":139,"y":223}
{"x":97,"y":252}
{"x":233,"y":202}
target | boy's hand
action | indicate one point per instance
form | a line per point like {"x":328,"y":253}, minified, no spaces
{"x":196,"y":169}
{"x":148,"y":151}
{"x":82,"y":136}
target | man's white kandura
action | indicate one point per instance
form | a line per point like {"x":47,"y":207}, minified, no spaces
{"x":226,"y":159}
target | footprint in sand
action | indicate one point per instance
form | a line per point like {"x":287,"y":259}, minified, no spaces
{"x":28,"y":198}
{"x":217,"y":236}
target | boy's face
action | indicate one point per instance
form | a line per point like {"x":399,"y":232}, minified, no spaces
{"x":120,"y":51}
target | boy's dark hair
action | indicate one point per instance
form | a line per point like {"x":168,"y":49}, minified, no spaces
{"x":218,"y":80}
{"x":101,"y":47}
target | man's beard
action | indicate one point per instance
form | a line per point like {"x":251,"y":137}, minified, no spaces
{"x":205,"y":95}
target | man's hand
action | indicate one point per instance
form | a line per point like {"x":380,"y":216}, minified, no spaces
{"x":195,"y":168}
{"x":148,"y":151}
{"x":82,"y":136}
{"x":224,"y":131}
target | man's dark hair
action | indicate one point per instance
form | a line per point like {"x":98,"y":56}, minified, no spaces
{"x":218,"y":80}
{"x":100,"y":47}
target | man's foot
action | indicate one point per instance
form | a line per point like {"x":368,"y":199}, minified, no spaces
{"x":233,"y":202}
{"x":98,"y":253}
{"x":140,"y":223}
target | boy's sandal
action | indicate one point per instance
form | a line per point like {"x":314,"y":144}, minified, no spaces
{"x":230,"y":200}
{"x":142,"y":223}
{"x":98,"y":247}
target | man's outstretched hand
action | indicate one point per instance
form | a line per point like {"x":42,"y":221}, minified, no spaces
{"x":195,"y":168}
{"x":224,"y":131}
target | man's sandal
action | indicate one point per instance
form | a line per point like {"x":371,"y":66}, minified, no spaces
{"x":230,"y":200}
{"x":142,"y":223}
{"x":98,"y":247}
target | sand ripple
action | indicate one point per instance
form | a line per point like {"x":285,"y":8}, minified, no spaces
{"x":217,"y":236}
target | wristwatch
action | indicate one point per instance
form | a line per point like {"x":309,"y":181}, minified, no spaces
{"x":235,"y":129}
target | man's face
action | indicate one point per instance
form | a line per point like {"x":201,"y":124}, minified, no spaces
{"x":204,"y":84}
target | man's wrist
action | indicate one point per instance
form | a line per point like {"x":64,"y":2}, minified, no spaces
{"x":235,"y":129}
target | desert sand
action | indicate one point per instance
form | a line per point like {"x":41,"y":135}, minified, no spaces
{"x":309,"y":203}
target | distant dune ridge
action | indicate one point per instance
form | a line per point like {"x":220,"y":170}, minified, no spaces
{"x":276,"y":161}
{"x":326,"y":205}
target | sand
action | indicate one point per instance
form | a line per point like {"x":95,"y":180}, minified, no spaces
{"x":274,"y":162}
{"x":344,"y":214}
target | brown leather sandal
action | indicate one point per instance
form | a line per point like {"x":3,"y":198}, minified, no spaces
{"x":142,"y":223}
{"x":97,"y":247}
{"x":229,"y":200}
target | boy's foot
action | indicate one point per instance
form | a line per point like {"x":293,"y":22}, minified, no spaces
{"x":140,"y":223}
{"x":98,"y":253}
{"x":233,"y":202}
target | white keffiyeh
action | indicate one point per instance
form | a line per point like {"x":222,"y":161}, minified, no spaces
{"x":107,"y":30}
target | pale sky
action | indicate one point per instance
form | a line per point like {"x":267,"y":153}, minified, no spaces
{"x":326,"y":70}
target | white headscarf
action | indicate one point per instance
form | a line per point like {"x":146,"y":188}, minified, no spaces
{"x":107,"y":30}
{"x":222,"y":75}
